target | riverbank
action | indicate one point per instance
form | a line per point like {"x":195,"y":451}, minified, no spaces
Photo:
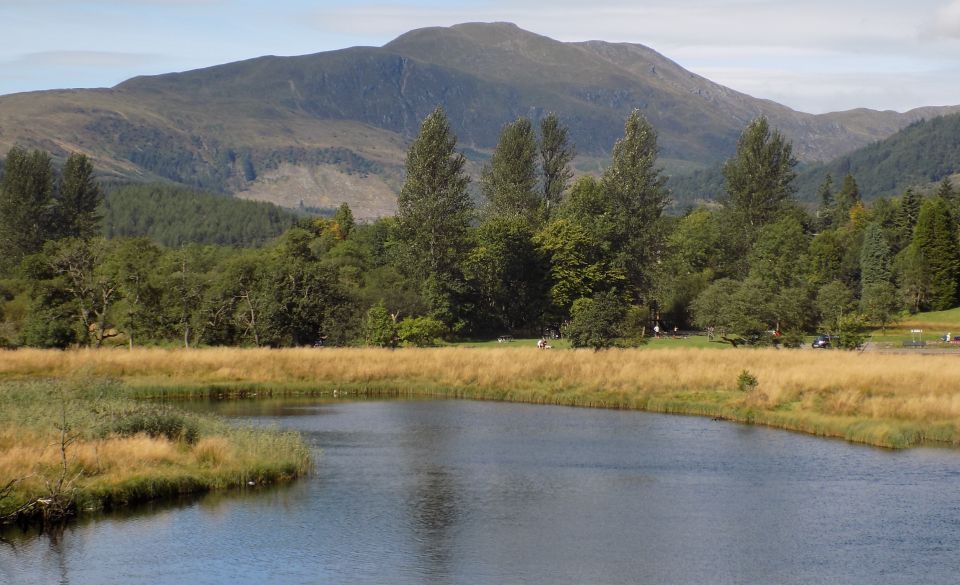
{"x":884,"y":400}
{"x":76,"y":444}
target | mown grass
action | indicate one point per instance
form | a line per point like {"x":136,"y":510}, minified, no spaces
{"x":885,"y":400}
{"x":73,"y":444}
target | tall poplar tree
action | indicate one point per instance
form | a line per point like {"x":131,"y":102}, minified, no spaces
{"x":433,"y":215}
{"x":637,"y":194}
{"x":825,"y":196}
{"x":434,"y":208}
{"x":509,"y":182}
{"x":759,"y":178}
{"x":556,"y":153}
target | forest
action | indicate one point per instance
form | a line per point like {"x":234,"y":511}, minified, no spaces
{"x":594,"y":259}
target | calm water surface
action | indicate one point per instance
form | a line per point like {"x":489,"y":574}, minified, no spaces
{"x":486,"y":493}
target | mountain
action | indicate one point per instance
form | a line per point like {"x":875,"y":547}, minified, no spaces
{"x":321,"y":129}
{"x":917,"y":156}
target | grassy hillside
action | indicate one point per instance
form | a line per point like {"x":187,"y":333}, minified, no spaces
{"x":919,"y":156}
{"x":333,"y":127}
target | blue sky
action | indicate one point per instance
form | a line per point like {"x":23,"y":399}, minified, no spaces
{"x":814,"y":55}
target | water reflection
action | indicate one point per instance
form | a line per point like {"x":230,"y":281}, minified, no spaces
{"x":436,"y":492}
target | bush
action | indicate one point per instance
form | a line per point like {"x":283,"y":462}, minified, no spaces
{"x":420,"y":331}
{"x":596,"y":322}
{"x":154,"y":422}
{"x":746,"y":381}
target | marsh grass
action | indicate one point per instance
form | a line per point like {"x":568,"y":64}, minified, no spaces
{"x":887,"y":400}
{"x":72,"y":444}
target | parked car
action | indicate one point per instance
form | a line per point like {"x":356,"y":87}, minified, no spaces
{"x":822,"y":342}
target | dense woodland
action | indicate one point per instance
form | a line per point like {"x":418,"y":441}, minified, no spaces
{"x":595,"y":259}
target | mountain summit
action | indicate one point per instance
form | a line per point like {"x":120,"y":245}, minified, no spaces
{"x":319,"y":129}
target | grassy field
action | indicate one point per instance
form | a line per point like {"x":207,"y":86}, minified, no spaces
{"x":885,"y":400}
{"x":72,"y":445}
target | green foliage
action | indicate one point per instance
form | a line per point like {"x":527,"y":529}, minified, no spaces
{"x":846,"y":200}
{"x":746,"y":381}
{"x":556,"y":154}
{"x":850,"y":331}
{"x":879,"y":303}
{"x":934,"y":252}
{"x":923,"y":152}
{"x":420,"y":331}
{"x":759,"y":178}
{"x":174,"y":216}
{"x":153,"y":421}
{"x":507,"y":273}
{"x":874,"y":257}
{"x":596,"y":322}
{"x":79,"y":199}
{"x":834,"y":300}
{"x":379,"y":328}
{"x":26,"y":205}
{"x":636,"y":193}
{"x":433,"y":215}
{"x":509,"y":182}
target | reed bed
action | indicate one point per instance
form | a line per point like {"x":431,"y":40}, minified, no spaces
{"x":71,"y":446}
{"x":886,"y":400}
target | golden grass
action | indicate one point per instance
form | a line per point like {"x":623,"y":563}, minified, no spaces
{"x":890,"y":400}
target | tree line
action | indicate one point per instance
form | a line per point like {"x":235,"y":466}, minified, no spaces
{"x":594,"y":258}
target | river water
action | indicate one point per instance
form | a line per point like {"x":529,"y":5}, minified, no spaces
{"x":436,"y":492}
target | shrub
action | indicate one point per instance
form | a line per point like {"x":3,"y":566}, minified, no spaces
{"x":154,"y":422}
{"x":420,"y":331}
{"x":746,"y":381}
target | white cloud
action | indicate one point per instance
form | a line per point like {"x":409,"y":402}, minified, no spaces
{"x":947,"y":23}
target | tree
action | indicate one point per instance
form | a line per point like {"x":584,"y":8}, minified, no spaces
{"x":847,"y":199}
{"x":595,"y":322}
{"x":874,"y":257}
{"x":825,"y":211}
{"x":759,"y":178}
{"x":344,"y":220}
{"x":379,"y":327}
{"x":508,"y":273}
{"x":433,"y":214}
{"x":637,"y":194}
{"x":834,"y":300}
{"x":26,"y":204}
{"x":948,"y":193}
{"x":879,"y":303}
{"x":79,"y":199}
{"x":509,"y":182}
{"x":133,"y":263}
{"x":935,"y":243}
{"x":420,"y":331}
{"x":908,"y":212}
{"x":556,"y":153}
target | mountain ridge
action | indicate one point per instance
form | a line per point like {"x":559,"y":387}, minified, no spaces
{"x":304,"y":128}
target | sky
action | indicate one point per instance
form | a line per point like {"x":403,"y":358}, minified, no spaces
{"x":812,"y":55}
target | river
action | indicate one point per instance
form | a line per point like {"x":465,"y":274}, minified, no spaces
{"x":436,"y":492}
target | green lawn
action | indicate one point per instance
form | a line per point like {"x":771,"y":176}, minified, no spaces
{"x":699,"y":341}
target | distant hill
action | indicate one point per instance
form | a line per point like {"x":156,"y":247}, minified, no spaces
{"x":332,"y":127}
{"x":917,"y":156}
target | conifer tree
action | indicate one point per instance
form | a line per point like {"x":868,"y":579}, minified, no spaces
{"x":906,"y":217}
{"x":509,"y":182}
{"x":825,"y":196}
{"x":79,"y":197}
{"x":26,"y":198}
{"x":556,"y":153}
{"x":874,"y":257}
{"x":847,"y":199}
{"x":935,"y":242}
